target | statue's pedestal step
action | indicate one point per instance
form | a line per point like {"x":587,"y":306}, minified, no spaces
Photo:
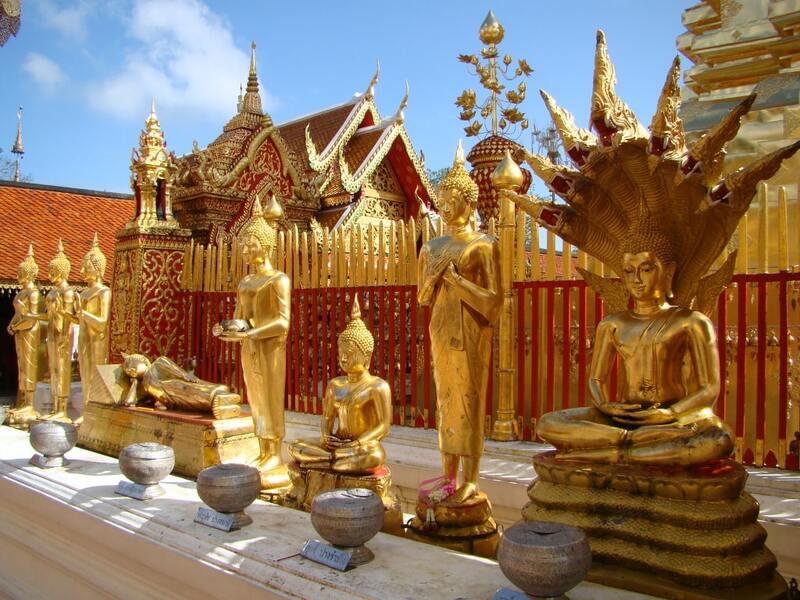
{"x":198,"y":440}
{"x":467,"y":527}
{"x":307,"y":484}
{"x":661,"y":530}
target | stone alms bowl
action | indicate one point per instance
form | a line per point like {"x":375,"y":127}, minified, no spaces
{"x":347,"y":518}
{"x":544,"y":559}
{"x":146,"y":463}
{"x":229,"y":487}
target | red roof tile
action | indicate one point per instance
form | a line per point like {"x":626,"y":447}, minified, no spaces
{"x":40,"y":214}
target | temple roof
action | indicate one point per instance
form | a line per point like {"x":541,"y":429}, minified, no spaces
{"x":41,"y":214}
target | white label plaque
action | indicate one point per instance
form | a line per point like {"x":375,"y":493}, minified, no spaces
{"x":131,"y":490}
{"x":212,"y":518}
{"x":508,"y":594}
{"x":326,"y":554}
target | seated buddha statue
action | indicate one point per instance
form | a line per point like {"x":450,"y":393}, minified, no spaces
{"x":357,"y":410}
{"x":167,"y":386}
{"x":658,"y":214}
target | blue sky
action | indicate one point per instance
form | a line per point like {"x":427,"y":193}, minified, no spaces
{"x":84,"y":70}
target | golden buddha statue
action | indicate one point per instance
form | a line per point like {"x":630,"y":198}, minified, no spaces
{"x":356,"y":412}
{"x":25,"y":328}
{"x":647,"y":474}
{"x":261,"y":325}
{"x":172,"y":388}
{"x":459,"y":277}
{"x":61,"y":312}
{"x":653,"y":211}
{"x":94,"y":309}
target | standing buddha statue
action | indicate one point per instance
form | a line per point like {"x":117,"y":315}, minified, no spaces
{"x":61,"y":312}
{"x":261,"y":325}
{"x":459,"y":278}
{"x":94,"y":310}
{"x":356,"y":410}
{"x":658,"y":214}
{"x":26,"y":329}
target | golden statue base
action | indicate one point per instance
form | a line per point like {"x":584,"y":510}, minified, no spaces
{"x":467,"y":526}
{"x":661,"y":530}
{"x":307,"y":484}
{"x":199,"y":441}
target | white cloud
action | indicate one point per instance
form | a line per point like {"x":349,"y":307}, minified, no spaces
{"x":70,"y":21}
{"x":183,"y":54}
{"x":43,"y":71}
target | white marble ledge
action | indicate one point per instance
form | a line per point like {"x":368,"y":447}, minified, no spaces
{"x":92,"y":543}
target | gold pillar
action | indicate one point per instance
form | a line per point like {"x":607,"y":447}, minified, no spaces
{"x":507,"y":176}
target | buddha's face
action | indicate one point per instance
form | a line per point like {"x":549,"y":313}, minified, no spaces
{"x":55,"y":274}
{"x":252,"y":250}
{"x":453,"y":207}
{"x":645,"y":276}
{"x":135,"y":366}
{"x":25,"y":278}
{"x":89,"y":272}
{"x":351,"y":358}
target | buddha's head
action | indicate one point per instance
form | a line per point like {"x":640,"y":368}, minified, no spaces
{"x":93,"y":266}
{"x":257,"y":237}
{"x":355,"y":344}
{"x":135,"y":365}
{"x":59,"y":268}
{"x":27,"y":269}
{"x":648,"y":262}
{"x":458,"y":193}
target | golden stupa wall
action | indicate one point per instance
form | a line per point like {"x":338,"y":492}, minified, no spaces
{"x":739,"y":47}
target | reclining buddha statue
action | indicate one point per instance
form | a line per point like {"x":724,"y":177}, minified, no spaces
{"x":647,"y":474}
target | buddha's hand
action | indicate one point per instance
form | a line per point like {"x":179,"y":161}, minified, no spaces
{"x":618,"y":409}
{"x":450,"y":275}
{"x":648,"y":416}
{"x":217,"y":330}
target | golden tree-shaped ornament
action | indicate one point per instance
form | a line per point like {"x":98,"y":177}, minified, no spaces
{"x":497,"y":117}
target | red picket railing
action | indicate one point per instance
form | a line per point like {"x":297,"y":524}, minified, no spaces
{"x":758,"y":328}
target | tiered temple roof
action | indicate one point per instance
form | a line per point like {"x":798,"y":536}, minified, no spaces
{"x":52,"y":213}
{"x":335,"y":167}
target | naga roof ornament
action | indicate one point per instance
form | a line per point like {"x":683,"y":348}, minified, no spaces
{"x":635,"y":191}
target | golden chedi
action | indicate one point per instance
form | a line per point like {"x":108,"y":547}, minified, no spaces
{"x":648,"y":474}
{"x":261,"y":325}
{"x":94,"y":304}
{"x":459,"y":278}
{"x":356,"y":416}
{"x":61,"y":313}
{"x":169,"y":387}
{"x":27,"y":332}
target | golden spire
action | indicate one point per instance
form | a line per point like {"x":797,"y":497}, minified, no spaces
{"x":507,"y":175}
{"x":491,"y":31}
{"x":500,"y":107}
{"x":18,"y":148}
{"x":251,"y":102}
{"x":273,"y":211}
{"x":60,"y":263}
{"x":370,"y":93}
{"x":96,"y":257}
{"x":357,"y":332}
{"x":399,"y":116}
{"x":28,"y":269}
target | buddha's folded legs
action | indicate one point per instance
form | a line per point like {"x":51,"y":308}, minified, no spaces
{"x":702,"y":442}
{"x":581,"y":428}
{"x":309,"y":453}
{"x":358,"y":459}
